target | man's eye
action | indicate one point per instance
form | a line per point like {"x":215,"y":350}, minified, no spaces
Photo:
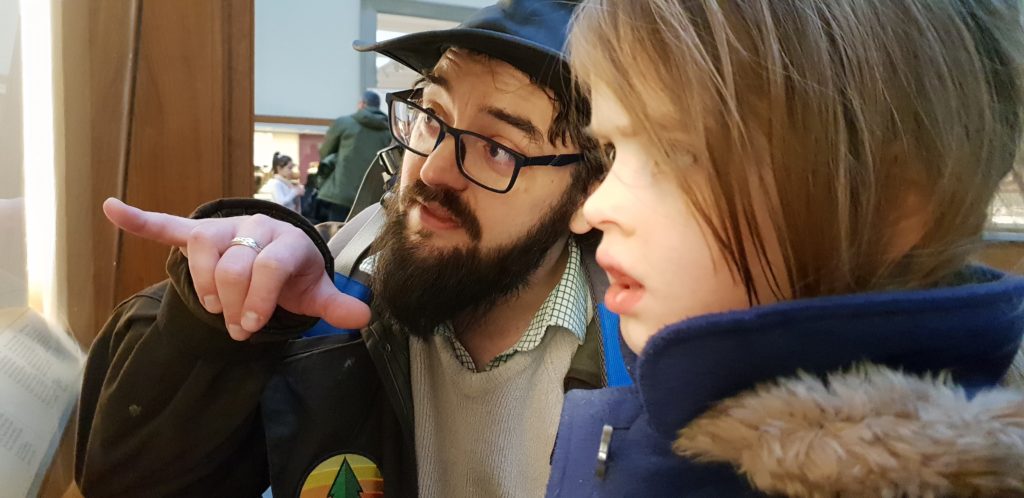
{"x":499,"y":157}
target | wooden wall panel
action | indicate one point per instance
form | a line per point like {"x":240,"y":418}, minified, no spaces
{"x":157,"y":110}
{"x":239,"y":20}
{"x":1006,"y":256}
{"x":98,"y":56}
{"x":158,"y":99}
{"x":190,"y":137}
{"x":175,"y":143}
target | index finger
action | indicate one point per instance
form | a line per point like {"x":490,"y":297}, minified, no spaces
{"x":163,"y":228}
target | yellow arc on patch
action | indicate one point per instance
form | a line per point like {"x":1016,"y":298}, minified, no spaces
{"x":347,"y":475}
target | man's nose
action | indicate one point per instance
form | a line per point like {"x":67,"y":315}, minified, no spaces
{"x":440,"y":170}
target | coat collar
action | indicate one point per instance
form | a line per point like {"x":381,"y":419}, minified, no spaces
{"x":971,"y":331}
{"x":869,"y":431}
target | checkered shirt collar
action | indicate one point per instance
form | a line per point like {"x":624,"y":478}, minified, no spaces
{"x":567,"y":307}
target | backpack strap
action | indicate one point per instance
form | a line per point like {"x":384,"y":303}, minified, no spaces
{"x":617,"y":360}
{"x":366,"y":217}
{"x":352,"y":242}
{"x":347,"y":246}
{"x":377,"y":178}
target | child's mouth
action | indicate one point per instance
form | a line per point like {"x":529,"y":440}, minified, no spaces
{"x":624,"y":292}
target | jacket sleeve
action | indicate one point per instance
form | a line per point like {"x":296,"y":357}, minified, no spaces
{"x":170,"y":403}
{"x":331,"y":139}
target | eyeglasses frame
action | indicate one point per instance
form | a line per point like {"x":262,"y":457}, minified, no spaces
{"x":521,"y":160}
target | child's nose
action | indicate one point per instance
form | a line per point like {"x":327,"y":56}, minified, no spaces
{"x":600,"y":207}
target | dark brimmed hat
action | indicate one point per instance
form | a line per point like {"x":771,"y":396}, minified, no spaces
{"x":528,"y":34}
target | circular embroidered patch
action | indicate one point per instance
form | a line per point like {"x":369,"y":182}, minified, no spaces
{"x":344,"y":476}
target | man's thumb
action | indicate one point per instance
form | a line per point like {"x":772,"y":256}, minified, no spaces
{"x":341,"y":310}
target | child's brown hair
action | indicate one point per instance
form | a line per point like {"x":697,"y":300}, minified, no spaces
{"x":846,"y":116}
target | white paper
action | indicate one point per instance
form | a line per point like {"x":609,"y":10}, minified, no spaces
{"x":40,"y":373}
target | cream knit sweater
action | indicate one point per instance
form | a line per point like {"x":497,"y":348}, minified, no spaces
{"x":487,"y":434}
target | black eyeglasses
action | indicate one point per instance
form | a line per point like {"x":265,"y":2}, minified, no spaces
{"x":481,"y":160}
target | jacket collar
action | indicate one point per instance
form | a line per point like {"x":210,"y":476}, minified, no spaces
{"x":971,"y":330}
{"x":870,"y":431}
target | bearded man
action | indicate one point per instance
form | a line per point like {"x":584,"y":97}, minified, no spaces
{"x":483,"y":308}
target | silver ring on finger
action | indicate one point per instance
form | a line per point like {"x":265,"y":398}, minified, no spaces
{"x":247,"y":242}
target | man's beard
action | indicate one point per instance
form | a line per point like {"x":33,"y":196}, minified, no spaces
{"x":418,"y":289}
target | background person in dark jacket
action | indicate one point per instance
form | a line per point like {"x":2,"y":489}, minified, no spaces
{"x":355,"y":139}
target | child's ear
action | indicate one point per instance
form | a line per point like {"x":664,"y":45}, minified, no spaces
{"x":911,"y":206}
{"x":908,"y":223}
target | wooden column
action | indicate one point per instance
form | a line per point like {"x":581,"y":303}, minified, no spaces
{"x":157,"y":99}
{"x":159,"y":104}
{"x":191,"y":133}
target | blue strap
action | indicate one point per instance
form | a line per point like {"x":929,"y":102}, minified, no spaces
{"x":348,"y":286}
{"x":615,"y":366}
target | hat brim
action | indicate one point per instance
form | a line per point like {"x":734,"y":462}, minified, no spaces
{"x":421,"y":51}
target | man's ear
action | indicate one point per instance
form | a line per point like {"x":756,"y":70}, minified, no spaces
{"x":578,"y":223}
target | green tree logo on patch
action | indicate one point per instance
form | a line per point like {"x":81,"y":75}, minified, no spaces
{"x":345,"y":483}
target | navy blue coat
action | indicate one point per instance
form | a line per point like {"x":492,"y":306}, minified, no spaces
{"x":971,"y":330}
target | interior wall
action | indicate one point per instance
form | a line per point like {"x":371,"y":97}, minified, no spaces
{"x":266,"y":143}
{"x":304,"y":62}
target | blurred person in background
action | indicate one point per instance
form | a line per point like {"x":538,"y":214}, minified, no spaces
{"x":355,"y":140}
{"x":281,"y":187}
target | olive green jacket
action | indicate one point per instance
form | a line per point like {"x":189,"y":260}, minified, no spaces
{"x":355,"y":139}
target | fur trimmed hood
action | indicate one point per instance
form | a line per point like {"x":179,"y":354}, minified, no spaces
{"x":869,"y":431}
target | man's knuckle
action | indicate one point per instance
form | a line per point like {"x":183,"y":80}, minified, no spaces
{"x":146,"y":225}
{"x":199,"y":235}
{"x":232,"y":272}
{"x":270,"y":264}
{"x":296,"y":236}
{"x":260,"y":219}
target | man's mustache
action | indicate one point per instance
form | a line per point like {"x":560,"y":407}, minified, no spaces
{"x":447,"y":199}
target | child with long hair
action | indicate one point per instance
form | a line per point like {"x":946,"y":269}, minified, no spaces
{"x":279,"y":188}
{"x":795,"y":188}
